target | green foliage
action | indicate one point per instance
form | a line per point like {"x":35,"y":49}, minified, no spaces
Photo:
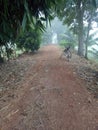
{"x":68,"y":39}
{"x":74,"y":13}
{"x":20,"y":16}
{"x":29,"y":41}
{"x":17,"y":13}
{"x":65,"y":43}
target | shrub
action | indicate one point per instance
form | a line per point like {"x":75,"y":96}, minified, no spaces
{"x":30,"y":41}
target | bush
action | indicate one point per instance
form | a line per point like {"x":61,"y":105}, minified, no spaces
{"x":29,"y":41}
{"x":64,"y":43}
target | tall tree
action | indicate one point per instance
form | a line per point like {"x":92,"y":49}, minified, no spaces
{"x":73,"y":14}
{"x":91,"y":18}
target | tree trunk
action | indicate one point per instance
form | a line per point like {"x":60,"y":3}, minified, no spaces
{"x":86,"y":43}
{"x":86,"y":50}
{"x":87,"y":37}
{"x":80,"y":41}
{"x":80,"y":12}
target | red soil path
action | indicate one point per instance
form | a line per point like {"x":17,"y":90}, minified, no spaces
{"x":50,"y":97}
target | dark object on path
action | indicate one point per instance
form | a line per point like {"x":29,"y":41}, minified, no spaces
{"x":67,"y":53}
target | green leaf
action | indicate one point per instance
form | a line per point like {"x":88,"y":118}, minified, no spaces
{"x":43,"y":19}
{"x":24,"y":21}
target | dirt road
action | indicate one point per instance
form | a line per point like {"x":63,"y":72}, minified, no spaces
{"x":50,"y":97}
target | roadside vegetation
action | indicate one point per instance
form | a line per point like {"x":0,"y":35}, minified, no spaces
{"x":23,"y":25}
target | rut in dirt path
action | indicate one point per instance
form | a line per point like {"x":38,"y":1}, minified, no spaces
{"x":52,"y":97}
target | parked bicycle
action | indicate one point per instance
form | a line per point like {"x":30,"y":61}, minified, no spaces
{"x":67,"y":53}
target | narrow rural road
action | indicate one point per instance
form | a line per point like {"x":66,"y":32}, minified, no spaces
{"x":50,"y":97}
